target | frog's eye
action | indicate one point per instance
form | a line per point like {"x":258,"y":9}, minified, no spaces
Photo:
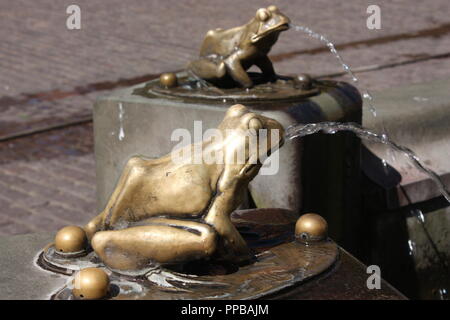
{"x":273,"y":9}
{"x":263,"y":14}
{"x":255,"y":124}
{"x":236,"y":110}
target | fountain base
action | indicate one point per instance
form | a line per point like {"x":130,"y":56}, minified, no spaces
{"x":280,"y":262}
{"x":317,"y":174}
{"x":23,"y":280}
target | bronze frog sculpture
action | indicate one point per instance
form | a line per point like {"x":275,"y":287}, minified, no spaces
{"x":170,"y":212}
{"x":229,"y":53}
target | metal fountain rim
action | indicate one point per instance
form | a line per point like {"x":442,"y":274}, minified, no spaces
{"x":283,"y":90}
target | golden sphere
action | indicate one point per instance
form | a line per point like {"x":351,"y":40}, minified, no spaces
{"x":168,"y":80}
{"x":90,"y":283}
{"x":70,"y":239}
{"x":311,"y":227}
{"x":305,"y":81}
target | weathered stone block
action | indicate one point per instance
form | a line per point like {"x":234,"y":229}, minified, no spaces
{"x":126,"y":124}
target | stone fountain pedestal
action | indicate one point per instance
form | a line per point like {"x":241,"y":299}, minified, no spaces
{"x":21,"y":279}
{"x":319,"y":173}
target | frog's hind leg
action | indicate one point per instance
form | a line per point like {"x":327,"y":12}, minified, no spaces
{"x":161,"y":241}
{"x":208,"y":69}
{"x":130,"y":174}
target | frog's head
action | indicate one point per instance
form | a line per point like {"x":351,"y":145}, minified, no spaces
{"x":249,"y":138}
{"x":269,"y":20}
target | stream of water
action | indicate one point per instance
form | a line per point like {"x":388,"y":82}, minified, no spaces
{"x":365,"y":92}
{"x":331,"y":128}
{"x":302,"y":130}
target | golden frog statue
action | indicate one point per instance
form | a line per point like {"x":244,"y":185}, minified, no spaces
{"x":170,"y":212}
{"x":229,"y":53}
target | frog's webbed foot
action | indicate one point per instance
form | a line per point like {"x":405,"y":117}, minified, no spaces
{"x":93,"y":226}
{"x":155,"y":241}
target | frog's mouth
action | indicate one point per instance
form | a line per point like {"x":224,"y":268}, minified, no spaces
{"x":252,"y":167}
{"x":279,"y":28}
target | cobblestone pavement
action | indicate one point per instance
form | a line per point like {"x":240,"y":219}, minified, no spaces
{"x":47,"y":181}
{"x":50,"y":75}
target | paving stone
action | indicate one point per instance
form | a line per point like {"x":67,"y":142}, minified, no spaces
{"x":15,"y":212}
{"x":34,"y":196}
{"x":70,"y":201}
{"x":43,"y":223}
{"x":70,"y":216}
{"x":10,"y":193}
{"x":4,"y":221}
{"x":13,"y":228}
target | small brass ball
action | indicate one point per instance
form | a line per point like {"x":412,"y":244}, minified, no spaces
{"x":70,"y":239}
{"x":168,"y":80}
{"x":90,"y":283}
{"x":311,"y":227}
{"x":304,"y":80}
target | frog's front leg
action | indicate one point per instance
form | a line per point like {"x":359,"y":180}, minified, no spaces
{"x":236,"y":70}
{"x":266,"y":67}
{"x":160,"y":240}
{"x":218,"y":215}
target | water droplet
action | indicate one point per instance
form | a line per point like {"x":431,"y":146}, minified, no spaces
{"x":412,"y":247}
{"x":419,"y":215}
{"x":121,"y":114}
{"x":443,"y":294}
{"x":329,"y":130}
{"x":368,"y":96}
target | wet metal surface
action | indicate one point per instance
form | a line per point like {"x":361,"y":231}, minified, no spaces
{"x":284,"y":88}
{"x":276,"y":266}
{"x":347,"y":280}
{"x":24,"y":280}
